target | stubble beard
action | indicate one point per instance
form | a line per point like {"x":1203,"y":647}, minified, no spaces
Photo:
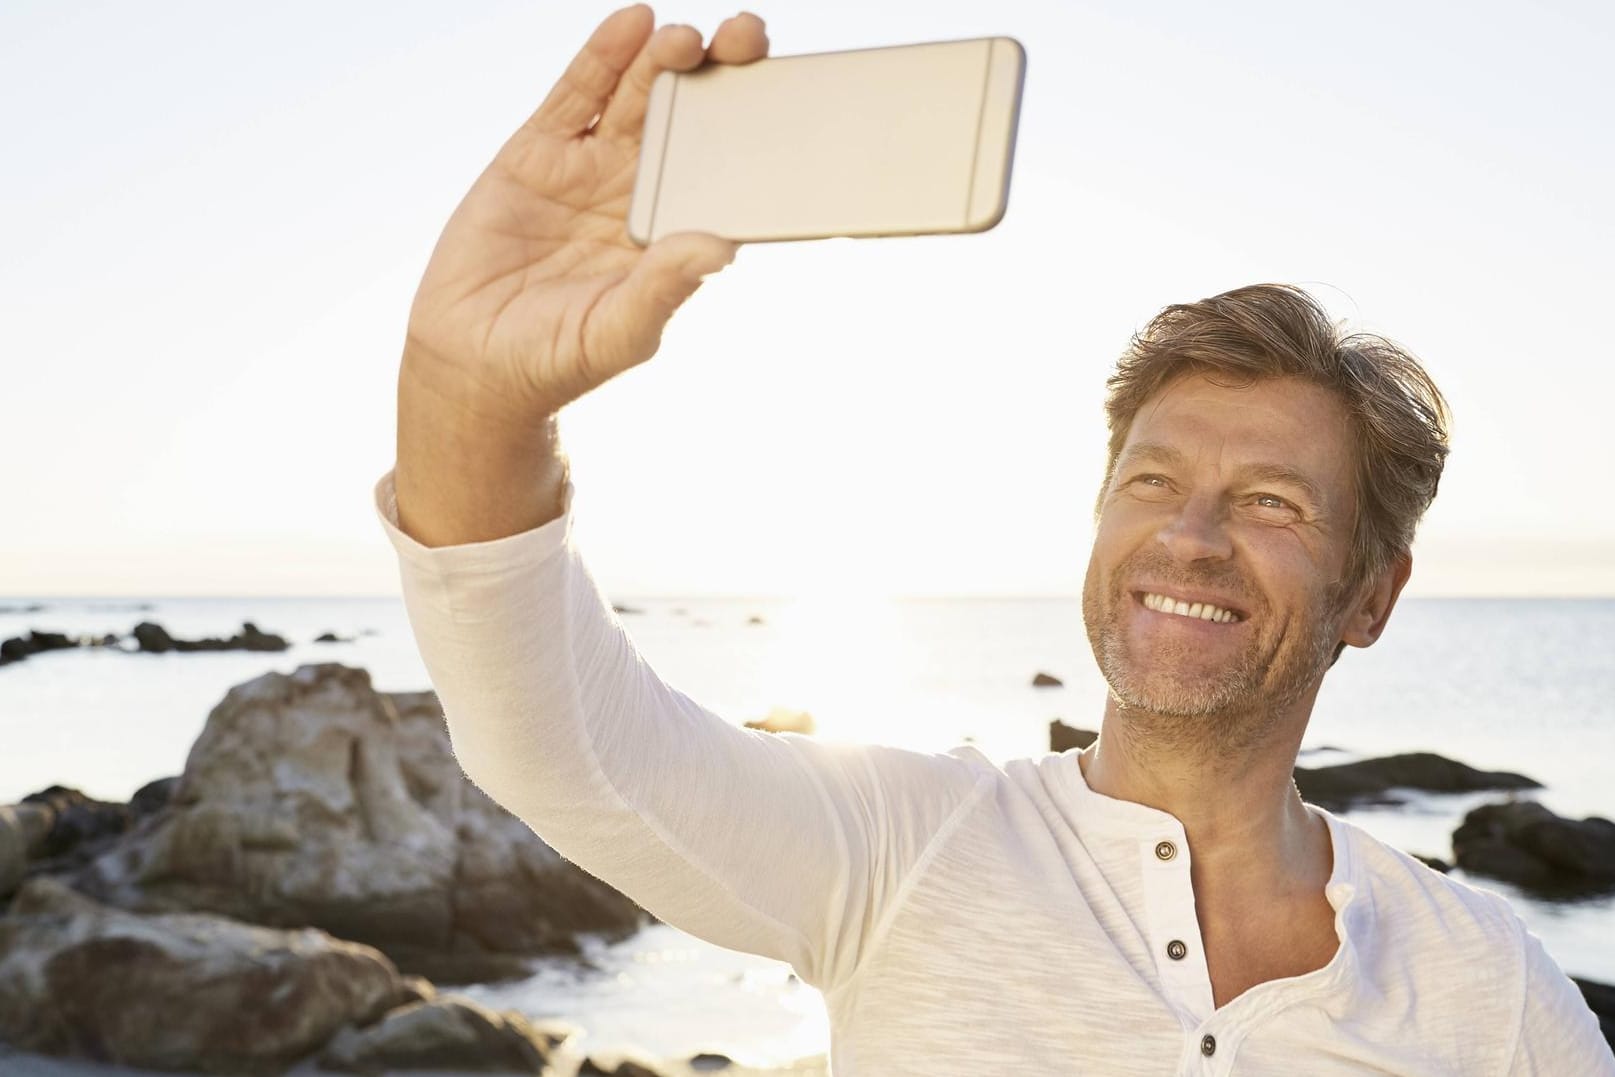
{"x":1228,"y":711}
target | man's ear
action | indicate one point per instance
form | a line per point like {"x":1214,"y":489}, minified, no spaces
{"x":1368,"y":617}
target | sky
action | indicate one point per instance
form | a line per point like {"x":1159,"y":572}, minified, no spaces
{"x":213,"y":219}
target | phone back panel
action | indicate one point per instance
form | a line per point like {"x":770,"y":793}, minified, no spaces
{"x":902,"y":140}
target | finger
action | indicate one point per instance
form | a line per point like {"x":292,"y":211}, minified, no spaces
{"x":674,"y":47}
{"x":592,"y":76}
{"x":631,"y":316}
{"x":740,"y":39}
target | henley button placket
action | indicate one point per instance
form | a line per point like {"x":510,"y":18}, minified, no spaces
{"x":1208,"y":1045}
{"x":1175,"y":949}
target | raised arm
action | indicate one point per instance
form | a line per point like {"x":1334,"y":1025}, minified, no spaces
{"x":534,"y":294}
{"x":773,"y":844}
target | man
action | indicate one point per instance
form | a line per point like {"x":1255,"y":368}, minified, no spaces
{"x":1162,"y":902}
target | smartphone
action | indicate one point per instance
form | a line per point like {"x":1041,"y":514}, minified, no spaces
{"x":895,"y":141}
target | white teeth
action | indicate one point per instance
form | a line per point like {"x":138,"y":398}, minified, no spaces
{"x":1205,"y":611}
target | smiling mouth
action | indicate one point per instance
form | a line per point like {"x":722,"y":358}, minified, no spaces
{"x":1196,"y":611}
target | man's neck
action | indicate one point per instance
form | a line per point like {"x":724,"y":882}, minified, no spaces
{"x":1249,"y":833}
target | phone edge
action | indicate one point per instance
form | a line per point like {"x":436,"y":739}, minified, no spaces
{"x":654,"y":137}
{"x":988,"y":200}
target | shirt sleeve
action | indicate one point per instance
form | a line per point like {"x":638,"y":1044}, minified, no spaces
{"x":775,"y":844}
{"x":1559,"y":1034}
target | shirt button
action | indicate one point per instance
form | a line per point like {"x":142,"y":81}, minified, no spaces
{"x":1208,"y":1044}
{"x":1165,"y":850}
{"x":1175,"y":949}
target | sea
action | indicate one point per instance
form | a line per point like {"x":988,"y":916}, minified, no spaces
{"x":1526,"y":685}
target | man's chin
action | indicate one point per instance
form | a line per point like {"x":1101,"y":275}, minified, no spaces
{"x":1190,"y":695}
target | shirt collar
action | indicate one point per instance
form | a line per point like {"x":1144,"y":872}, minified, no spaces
{"x":1095,"y":815}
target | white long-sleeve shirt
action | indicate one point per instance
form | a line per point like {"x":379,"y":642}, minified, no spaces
{"x":959,"y":917}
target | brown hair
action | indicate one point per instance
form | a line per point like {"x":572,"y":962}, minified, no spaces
{"x":1399,"y":417}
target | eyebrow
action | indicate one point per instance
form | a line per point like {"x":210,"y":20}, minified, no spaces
{"x":1262,"y":472}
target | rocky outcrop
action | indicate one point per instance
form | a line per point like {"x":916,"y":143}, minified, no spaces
{"x":1046,"y":680}
{"x":1524,"y":842}
{"x":1063,"y":738}
{"x":312,"y":800}
{"x":23,"y":831}
{"x":17,"y":648}
{"x":448,"y":1032}
{"x":1371,"y":780}
{"x":154,"y":639}
{"x":196,"y":992}
{"x":177,"y":990}
{"x":148,"y":637}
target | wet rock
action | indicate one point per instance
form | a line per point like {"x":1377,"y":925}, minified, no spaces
{"x":1524,"y":842}
{"x":708,"y":1060}
{"x":177,"y":991}
{"x":449,"y":1032}
{"x":1046,"y":680}
{"x":1063,"y":738}
{"x":310,"y":799}
{"x":627,"y":610}
{"x":332,"y":637}
{"x":1369,"y":780}
{"x":1433,"y":862}
{"x":154,"y":639}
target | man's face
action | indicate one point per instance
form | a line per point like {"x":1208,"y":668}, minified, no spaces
{"x":1237,"y":497}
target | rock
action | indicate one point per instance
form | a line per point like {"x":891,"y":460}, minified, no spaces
{"x":1046,"y":680}
{"x":1063,"y":738}
{"x":626,"y":610}
{"x":24,"y":829}
{"x":754,"y":619}
{"x":176,"y":991}
{"x":1524,"y":842}
{"x":152,"y":797}
{"x":627,"y":1067}
{"x":310,"y":799}
{"x":19,"y":647}
{"x":449,"y":1032}
{"x":1433,"y":862}
{"x":81,"y":828}
{"x":1341,"y":786}
{"x":1601,"y":1000}
{"x":708,"y":1060}
{"x":332,"y":637}
{"x":154,"y":639}
{"x":34,"y":608}
{"x":782,"y":720}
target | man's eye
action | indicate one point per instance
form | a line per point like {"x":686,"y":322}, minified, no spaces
{"x":1151,"y":479}
{"x":1278,"y":502}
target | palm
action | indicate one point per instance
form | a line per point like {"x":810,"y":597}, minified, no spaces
{"x":534,"y":288}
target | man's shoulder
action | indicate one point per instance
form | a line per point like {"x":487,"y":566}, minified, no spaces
{"x":1417,"y":904}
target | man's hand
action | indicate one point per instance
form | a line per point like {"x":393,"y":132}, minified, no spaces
{"x":534,"y":294}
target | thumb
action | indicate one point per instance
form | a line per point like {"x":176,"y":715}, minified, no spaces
{"x":667,"y":274}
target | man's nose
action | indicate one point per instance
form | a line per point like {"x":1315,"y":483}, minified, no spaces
{"x":1196,"y":531}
